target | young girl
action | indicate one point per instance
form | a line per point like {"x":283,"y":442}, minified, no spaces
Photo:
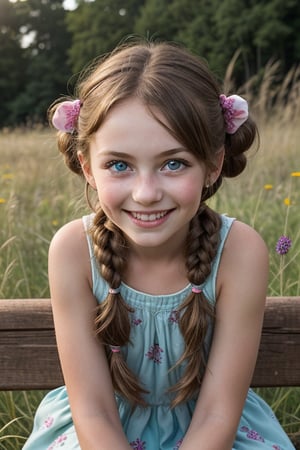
{"x":158,"y":300}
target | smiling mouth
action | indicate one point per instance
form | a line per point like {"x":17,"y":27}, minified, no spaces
{"x":149,"y":217}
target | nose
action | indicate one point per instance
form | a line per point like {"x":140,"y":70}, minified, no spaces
{"x":147,"y":189}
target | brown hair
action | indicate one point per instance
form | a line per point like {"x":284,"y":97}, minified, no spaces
{"x":167,"y":78}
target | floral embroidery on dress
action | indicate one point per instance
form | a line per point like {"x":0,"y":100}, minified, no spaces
{"x":154,"y":353}
{"x":59,"y":442}
{"x":136,"y":321}
{"x":138,"y":445}
{"x":48,"y":422}
{"x":276,"y":447}
{"x":252,"y":434}
{"x":178,"y":444}
{"x":174,"y":316}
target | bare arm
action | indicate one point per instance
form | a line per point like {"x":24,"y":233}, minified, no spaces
{"x":241,"y":286}
{"x":82,"y":356}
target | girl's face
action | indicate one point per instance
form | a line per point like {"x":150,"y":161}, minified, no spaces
{"x":148,"y":184}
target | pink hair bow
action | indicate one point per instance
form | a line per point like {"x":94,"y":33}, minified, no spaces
{"x":66,"y":116}
{"x":235,"y":111}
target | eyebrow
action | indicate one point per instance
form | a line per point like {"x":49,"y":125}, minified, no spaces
{"x":164,"y":153}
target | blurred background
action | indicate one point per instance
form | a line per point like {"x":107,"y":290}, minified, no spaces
{"x":45,"y":43}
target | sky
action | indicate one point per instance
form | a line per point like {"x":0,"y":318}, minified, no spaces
{"x":69,"y":4}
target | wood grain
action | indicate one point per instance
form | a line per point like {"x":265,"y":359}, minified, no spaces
{"x":29,"y":359}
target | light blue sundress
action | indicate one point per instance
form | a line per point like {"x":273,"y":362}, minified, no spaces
{"x":157,"y":345}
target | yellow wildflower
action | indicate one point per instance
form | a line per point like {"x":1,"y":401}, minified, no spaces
{"x":295,"y":174}
{"x":268,"y":187}
{"x":7,"y":176}
{"x":54,"y":222}
{"x":2,"y":200}
{"x":287,"y":201}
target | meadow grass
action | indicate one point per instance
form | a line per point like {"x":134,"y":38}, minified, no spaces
{"x":38,"y":195}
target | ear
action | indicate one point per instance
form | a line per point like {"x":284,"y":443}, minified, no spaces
{"x":86,"y":169}
{"x":214,"y":173}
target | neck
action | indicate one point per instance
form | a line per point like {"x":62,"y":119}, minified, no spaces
{"x":165,"y":253}
{"x":155,"y":272}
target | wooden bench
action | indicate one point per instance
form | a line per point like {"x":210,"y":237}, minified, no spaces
{"x":29,"y":359}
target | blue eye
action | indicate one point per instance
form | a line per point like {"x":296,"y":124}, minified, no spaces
{"x":119,"y":166}
{"x":174,"y":164}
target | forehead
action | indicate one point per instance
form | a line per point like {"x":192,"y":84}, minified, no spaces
{"x":131,"y":124}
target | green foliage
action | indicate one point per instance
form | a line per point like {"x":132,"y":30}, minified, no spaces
{"x":47,"y":69}
{"x":155,"y":21}
{"x":35,"y":69}
{"x":98,"y":27}
{"x":43,"y":47}
{"x":10,"y":52}
{"x":259,"y":29}
{"x":216,"y":29}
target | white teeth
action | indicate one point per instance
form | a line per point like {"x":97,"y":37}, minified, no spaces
{"x":148,"y":217}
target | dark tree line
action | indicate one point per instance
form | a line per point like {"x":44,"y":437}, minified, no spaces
{"x":43,"y":46}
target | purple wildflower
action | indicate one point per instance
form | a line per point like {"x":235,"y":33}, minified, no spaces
{"x":283,"y":245}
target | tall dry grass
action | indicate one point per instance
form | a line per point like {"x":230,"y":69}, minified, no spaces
{"x":37,"y":195}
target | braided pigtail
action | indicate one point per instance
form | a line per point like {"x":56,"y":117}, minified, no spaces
{"x":197,"y":312}
{"x":112,"y":321}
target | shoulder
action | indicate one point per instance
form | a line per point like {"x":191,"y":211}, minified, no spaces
{"x":69,"y":253}
{"x":244,"y":258}
{"x":242,"y":236}
{"x":69,"y":242}
{"x":245,"y":242}
{"x":69,"y":236}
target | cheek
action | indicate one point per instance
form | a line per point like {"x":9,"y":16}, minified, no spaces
{"x":109,"y":196}
{"x":189,"y":193}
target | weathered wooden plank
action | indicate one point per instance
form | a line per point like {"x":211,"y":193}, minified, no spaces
{"x":25,"y":314}
{"x":278,"y":361}
{"x":28,"y":352}
{"x":29,"y":360}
